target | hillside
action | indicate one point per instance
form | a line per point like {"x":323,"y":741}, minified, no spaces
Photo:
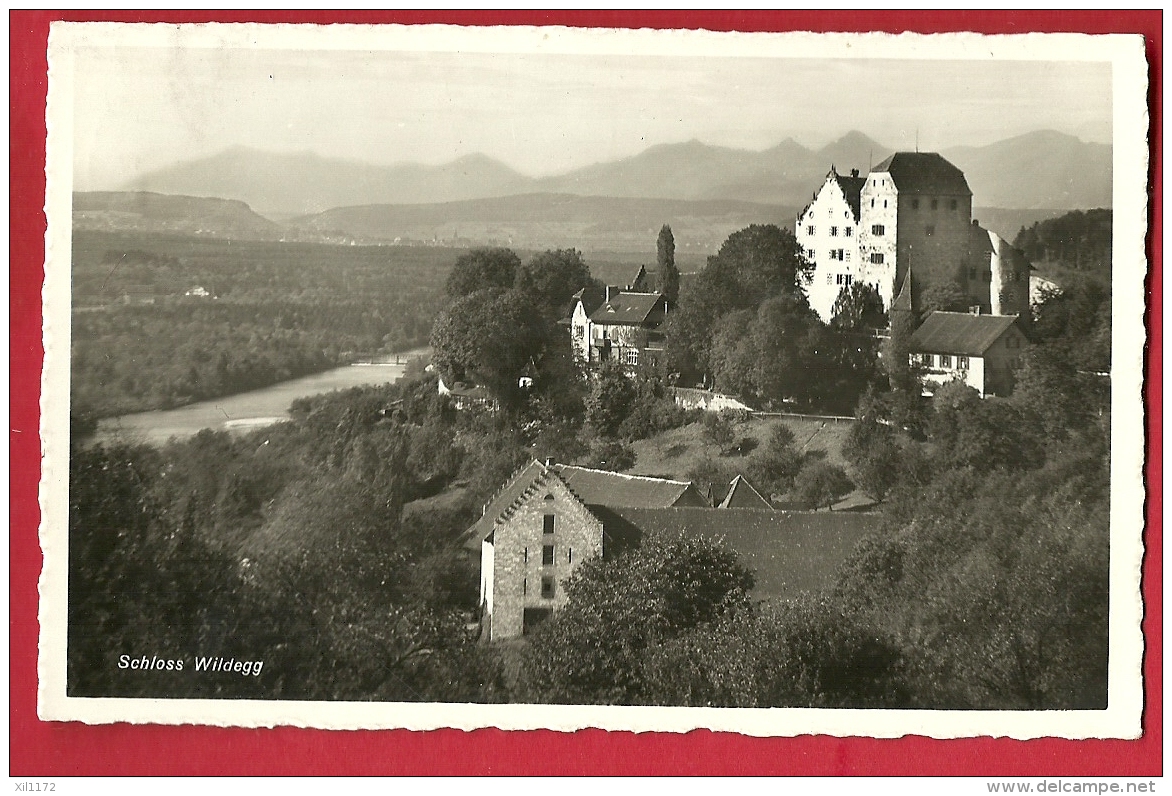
{"x":141,"y":212}
{"x":1044,"y":169}
{"x":542,"y":221}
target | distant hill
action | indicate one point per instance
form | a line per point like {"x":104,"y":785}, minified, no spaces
{"x":303,"y":182}
{"x":546,"y":220}
{"x":139,"y":211}
{"x":1039,"y":170}
{"x":1045,"y":169}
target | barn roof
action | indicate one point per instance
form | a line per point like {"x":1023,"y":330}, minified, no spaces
{"x":788,"y":551}
{"x":604,"y":488}
{"x":924,"y":172}
{"x":959,"y":333}
{"x":742,"y":494}
{"x":626,"y":308}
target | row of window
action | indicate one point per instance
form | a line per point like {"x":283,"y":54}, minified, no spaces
{"x":944,"y":361}
{"x":847,"y":232}
{"x":842,"y":255}
{"x":986,"y":276}
{"x":935,"y":204}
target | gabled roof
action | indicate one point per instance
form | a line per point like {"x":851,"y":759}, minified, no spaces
{"x":604,"y":488}
{"x":529,"y":478}
{"x":742,"y":495}
{"x":789,"y":552}
{"x":626,"y":308}
{"x":590,"y":297}
{"x":852,"y":189}
{"x":924,"y":172}
{"x":959,"y":333}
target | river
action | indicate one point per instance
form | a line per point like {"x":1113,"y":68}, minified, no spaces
{"x":247,"y":410}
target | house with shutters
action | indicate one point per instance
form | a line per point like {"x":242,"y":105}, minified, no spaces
{"x":625,"y":328}
{"x":980,"y":350}
{"x":548,"y":519}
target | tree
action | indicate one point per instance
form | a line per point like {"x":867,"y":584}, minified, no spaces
{"x":874,"y":455}
{"x":592,"y":650}
{"x":821,"y":483}
{"x":490,"y":336}
{"x":665,"y":259}
{"x":611,"y":400}
{"x":552,"y":277}
{"x":944,"y":297}
{"x":774,"y":467}
{"x":482,"y":268}
{"x":858,"y":307}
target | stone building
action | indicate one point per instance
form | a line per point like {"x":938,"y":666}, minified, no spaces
{"x":545,"y":521}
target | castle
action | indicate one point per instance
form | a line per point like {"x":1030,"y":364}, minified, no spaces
{"x":909,"y":221}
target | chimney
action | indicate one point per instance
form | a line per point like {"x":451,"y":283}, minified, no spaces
{"x":854,"y":172}
{"x":549,"y":462}
{"x":611,"y":291}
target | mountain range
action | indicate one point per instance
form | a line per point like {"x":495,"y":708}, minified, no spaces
{"x":1044,"y":169}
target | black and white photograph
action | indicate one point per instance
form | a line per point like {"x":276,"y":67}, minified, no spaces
{"x":652,"y":380}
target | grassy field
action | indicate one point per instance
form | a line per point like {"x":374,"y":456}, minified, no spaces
{"x":674,"y":453}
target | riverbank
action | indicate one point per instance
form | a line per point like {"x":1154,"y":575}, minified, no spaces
{"x":249,"y":410}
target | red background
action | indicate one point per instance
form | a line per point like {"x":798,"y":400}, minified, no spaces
{"x":62,"y":749}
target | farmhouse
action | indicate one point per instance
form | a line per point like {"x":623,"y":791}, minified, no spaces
{"x":549,"y":518}
{"x":912,"y":214}
{"x":980,"y":350}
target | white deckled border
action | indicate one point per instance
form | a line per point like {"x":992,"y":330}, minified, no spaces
{"x":1130,"y":121}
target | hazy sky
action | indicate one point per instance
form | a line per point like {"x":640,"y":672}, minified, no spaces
{"x":137,"y":109}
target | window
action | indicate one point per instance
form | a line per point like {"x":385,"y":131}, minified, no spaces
{"x":885,"y":203}
{"x":547,"y":588}
{"x":834,"y":232}
{"x":872,"y":203}
{"x":952,"y":205}
{"x":930,"y":230}
{"x":935,"y":204}
{"x":810,"y":230}
{"x":569,"y":555}
{"x":926,"y":360}
{"x":877,"y":258}
{"x":945,"y":361}
{"x":838,"y":254}
{"x":847,"y":255}
{"x":810,"y":254}
{"x":525,"y":553}
{"x":548,"y":524}
{"x":547,"y":555}
{"x":631,"y":356}
{"x":973,"y":274}
{"x":962,"y":363}
{"x":838,"y":279}
{"x":524,"y":586}
{"x":915,"y":204}
{"x":847,"y":279}
{"x":847,"y":231}
{"x":829,"y":278}
{"x":877,"y":229}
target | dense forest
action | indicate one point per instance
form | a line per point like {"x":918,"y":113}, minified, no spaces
{"x":162,"y":321}
{"x":326,"y":547}
{"x":1077,"y":241}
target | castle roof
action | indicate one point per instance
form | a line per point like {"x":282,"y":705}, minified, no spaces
{"x":959,"y":333}
{"x":632,"y":308}
{"x":924,"y":172}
